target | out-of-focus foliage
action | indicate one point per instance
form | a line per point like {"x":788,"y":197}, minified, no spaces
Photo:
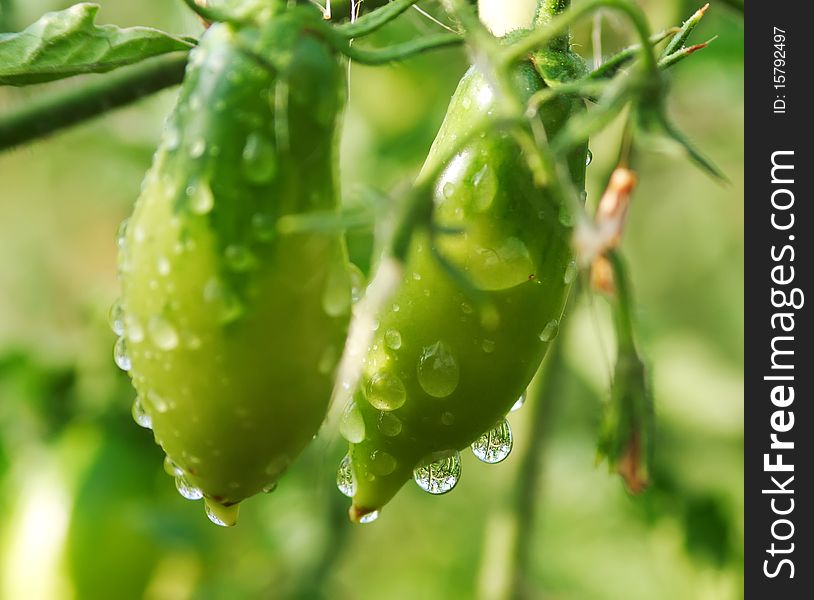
{"x":86,"y":510}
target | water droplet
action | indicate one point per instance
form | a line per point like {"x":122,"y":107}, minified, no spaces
{"x":565,"y":216}
{"x":369,"y":517}
{"x":382,"y":463}
{"x":352,"y":424}
{"x":201,"y":199}
{"x":269,"y":488}
{"x":172,"y":137}
{"x":385,"y":391}
{"x":263,"y":227}
{"x":448,"y":190}
{"x":239,"y":258}
{"x":389,"y":424}
{"x":133,"y":329}
{"x":186,"y":489}
{"x":140,"y":416}
{"x":345,"y":480}
{"x":438,"y":372}
{"x":259,"y":158}
{"x":466,"y":102}
{"x":417,"y":276}
{"x":467,"y":308}
{"x":155,"y":403}
{"x":392,"y":338}
{"x":219,"y":514}
{"x":162,"y":333}
{"x":163,"y":266}
{"x":520,"y":402}
{"x":197,"y":149}
{"x":120,"y":356}
{"x":171,"y":468}
{"x":488,"y":346}
{"x":121,"y":233}
{"x":440,"y":476}
{"x":357,"y":283}
{"x":447,"y":418}
{"x":116,"y":318}
{"x":589,"y":158}
{"x":494,"y":445}
{"x":570,"y":272}
{"x":550,"y":331}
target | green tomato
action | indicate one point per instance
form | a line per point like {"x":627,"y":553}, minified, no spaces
{"x":231,"y":328}
{"x":441,"y":371}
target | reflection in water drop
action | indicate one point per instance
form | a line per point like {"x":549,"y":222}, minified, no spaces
{"x":385,"y":391}
{"x":186,"y":489}
{"x":116,"y":318}
{"x":440,"y":476}
{"x":494,"y":445}
{"x":120,"y":356}
{"x":140,"y":416}
{"x":369,"y":517}
{"x":225,"y":516}
{"x":345,"y":480}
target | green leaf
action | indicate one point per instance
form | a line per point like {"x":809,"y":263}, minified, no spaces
{"x":66,"y":43}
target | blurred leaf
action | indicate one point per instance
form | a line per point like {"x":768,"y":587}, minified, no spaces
{"x":66,"y":43}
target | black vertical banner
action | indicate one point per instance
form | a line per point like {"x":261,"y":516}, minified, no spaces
{"x":779,"y":262}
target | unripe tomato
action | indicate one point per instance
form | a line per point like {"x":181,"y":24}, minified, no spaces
{"x":230,"y":327}
{"x":443,"y":370}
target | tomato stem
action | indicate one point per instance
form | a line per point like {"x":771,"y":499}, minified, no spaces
{"x":63,"y":109}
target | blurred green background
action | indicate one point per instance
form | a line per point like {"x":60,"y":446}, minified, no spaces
{"x":87,"y":512}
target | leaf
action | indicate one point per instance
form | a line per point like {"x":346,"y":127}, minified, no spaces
{"x":66,"y":43}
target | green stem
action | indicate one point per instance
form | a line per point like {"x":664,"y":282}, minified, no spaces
{"x":547,"y":10}
{"x":380,"y":56}
{"x":375,"y":20}
{"x":623,"y":306}
{"x":63,"y":109}
{"x":611,"y":67}
{"x":557,"y":25}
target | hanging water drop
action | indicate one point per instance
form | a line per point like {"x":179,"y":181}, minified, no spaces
{"x":220,"y":514}
{"x":589,"y":158}
{"x":140,"y":416}
{"x":269,"y":488}
{"x":495,"y":445}
{"x":369,"y":517}
{"x":440,"y":476}
{"x":170,"y":468}
{"x":120,"y":356}
{"x":116,"y":318}
{"x":438,"y":372}
{"x":344,"y":477}
{"x":186,"y":489}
